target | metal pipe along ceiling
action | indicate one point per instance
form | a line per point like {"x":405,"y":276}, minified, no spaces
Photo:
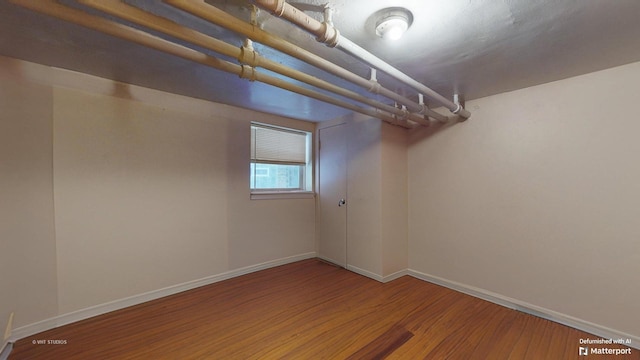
{"x":52,"y":8}
{"x":407,"y":116}
{"x":327,"y":34}
{"x":245,"y":55}
{"x":216,"y":16}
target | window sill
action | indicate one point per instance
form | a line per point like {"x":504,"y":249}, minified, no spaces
{"x":266,"y":195}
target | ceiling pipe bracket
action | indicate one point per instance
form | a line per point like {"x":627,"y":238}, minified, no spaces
{"x":460,"y":107}
{"x":374,"y":75}
{"x":254,"y":15}
{"x":374,"y":85}
{"x":424,"y":109}
{"x":328,"y":14}
{"x":405,"y":112}
{"x":248,"y":56}
{"x":248,"y":72}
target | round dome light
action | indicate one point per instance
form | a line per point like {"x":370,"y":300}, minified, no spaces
{"x":393,"y":23}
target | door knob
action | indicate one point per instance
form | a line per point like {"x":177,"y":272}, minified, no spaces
{"x":342,"y":202}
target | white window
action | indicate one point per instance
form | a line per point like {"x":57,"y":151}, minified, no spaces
{"x":280,"y":160}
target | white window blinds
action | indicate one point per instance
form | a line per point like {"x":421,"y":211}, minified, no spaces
{"x":278,"y":146}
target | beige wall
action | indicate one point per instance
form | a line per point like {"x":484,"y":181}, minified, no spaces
{"x":394,"y":183}
{"x":28,"y":248}
{"x":140,"y":196}
{"x":363,"y":194}
{"x":536,"y":197}
{"x":151,"y":190}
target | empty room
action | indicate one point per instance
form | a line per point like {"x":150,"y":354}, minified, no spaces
{"x":318,"y":179}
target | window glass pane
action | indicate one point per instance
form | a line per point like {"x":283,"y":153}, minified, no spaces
{"x":276,"y":176}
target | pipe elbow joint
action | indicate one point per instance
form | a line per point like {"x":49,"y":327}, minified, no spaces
{"x":375,"y":87}
{"x":278,"y":7}
{"x":329,"y":36}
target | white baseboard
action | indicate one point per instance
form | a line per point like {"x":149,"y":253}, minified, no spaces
{"x":586,"y":326}
{"x":330,"y":261}
{"x":395,"y":275}
{"x":366,"y":273}
{"x":64,"y":319}
{"x":5,"y":350}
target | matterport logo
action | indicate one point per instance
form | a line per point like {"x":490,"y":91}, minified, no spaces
{"x":595,"y":350}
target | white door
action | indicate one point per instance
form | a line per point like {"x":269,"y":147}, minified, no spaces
{"x":333,"y":194}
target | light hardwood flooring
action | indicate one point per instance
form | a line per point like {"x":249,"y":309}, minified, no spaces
{"x":312,"y":310}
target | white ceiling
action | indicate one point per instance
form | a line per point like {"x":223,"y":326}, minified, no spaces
{"x":474,"y":47}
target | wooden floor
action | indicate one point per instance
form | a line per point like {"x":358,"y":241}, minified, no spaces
{"x":312,"y":310}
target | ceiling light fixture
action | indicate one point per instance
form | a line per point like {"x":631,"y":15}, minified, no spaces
{"x":393,"y":23}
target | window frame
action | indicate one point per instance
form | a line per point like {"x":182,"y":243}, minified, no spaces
{"x":306,"y":171}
